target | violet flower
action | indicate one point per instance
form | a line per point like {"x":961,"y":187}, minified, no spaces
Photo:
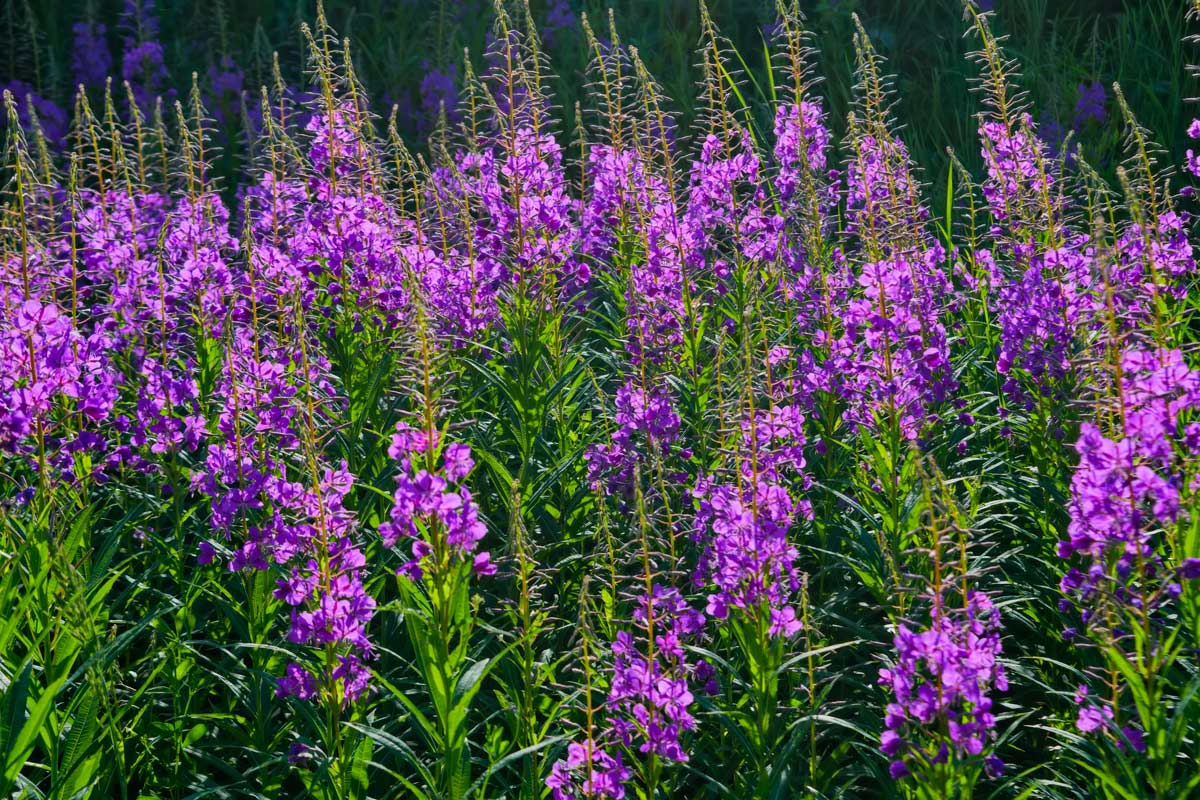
{"x":943,"y":675}
{"x":91,"y":61}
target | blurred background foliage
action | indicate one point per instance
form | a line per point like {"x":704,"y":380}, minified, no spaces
{"x":407,"y":51}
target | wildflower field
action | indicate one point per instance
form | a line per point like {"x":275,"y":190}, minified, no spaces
{"x":535,"y":432}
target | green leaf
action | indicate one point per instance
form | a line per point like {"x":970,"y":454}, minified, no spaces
{"x":31,"y":729}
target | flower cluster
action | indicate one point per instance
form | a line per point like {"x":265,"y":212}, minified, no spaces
{"x":220,"y":360}
{"x":881,"y":193}
{"x":226,"y":80}
{"x":943,"y":676}
{"x":801,"y":146}
{"x":588,"y":771}
{"x":431,"y":507}
{"x":335,"y":145}
{"x":51,"y":117}
{"x":1096,"y":714}
{"x":438,"y":96}
{"x":627,"y":200}
{"x":747,"y":561}
{"x":1089,"y":106}
{"x":892,"y":361}
{"x":1129,"y":488}
{"x":324,"y":587}
{"x":645,"y":419}
{"x":728,"y":203}
{"x":803,"y":181}
{"x":649,"y":700}
{"x":1020,"y":190}
{"x":42,"y":360}
{"x":91,"y":61}
{"x":1041,"y":315}
{"x":1192,"y":162}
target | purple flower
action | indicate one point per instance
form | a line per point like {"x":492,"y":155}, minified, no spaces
{"x":801,"y":146}
{"x":645,"y":420}
{"x":139,"y":21}
{"x":144,"y":67}
{"x":335,"y":143}
{"x":1090,"y":105}
{"x":431,"y":508}
{"x":91,"y":61}
{"x":1092,"y":718}
{"x":1192,"y":163}
{"x":649,"y":701}
{"x":943,"y":675}
{"x":891,"y":361}
{"x":624,"y":191}
{"x":589,"y":771}
{"x":439,"y":94}
{"x":1041,"y":314}
{"x":51,"y":117}
{"x":559,"y":18}
{"x":296,"y":682}
{"x":1135,"y":739}
{"x":747,"y":563}
{"x":727,"y":201}
{"x":881,"y":192}
{"x":1126,"y":487}
{"x":458,"y":462}
{"x":226,"y":80}
{"x":1019,"y":185}
{"x":1127,"y":494}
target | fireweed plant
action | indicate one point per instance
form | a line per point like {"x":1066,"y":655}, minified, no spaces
{"x":614,"y":459}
